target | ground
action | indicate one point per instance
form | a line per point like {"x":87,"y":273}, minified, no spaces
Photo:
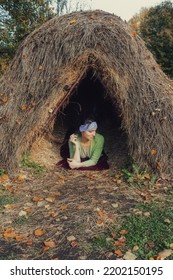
{"x":58,"y":214}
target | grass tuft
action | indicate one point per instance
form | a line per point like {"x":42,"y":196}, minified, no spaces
{"x":27,"y":162}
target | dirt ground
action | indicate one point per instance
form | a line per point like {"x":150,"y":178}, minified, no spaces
{"x":57,"y":214}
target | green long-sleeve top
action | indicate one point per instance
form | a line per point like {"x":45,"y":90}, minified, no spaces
{"x":95,"y":149}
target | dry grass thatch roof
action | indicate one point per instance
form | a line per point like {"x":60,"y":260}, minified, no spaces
{"x":48,"y":67}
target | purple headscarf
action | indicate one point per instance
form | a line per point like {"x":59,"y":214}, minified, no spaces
{"x":88,"y":126}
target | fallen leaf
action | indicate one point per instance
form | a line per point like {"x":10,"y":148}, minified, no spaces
{"x":22,"y":213}
{"x":118,"y":253}
{"x":71,"y":238}
{"x":9,"y":229}
{"x":101,"y":213}
{"x":113,"y":234}
{"x":147,"y":176}
{"x":81,"y":206}
{"x":3,"y":178}
{"x":133,"y":33}
{"x":28,"y":209}
{"x":171,"y":245}
{"x":56,"y":193}
{"x":8,"y":235}
{"x":29,"y":242}
{"x":50,"y":244}
{"x":115,"y":205}
{"x":100,"y":222}
{"x":61,"y":177}
{"x":73,"y":21}
{"x":9,"y":206}
{"x":50,"y":199}
{"x":63,"y":207}
{"x":129,"y":256}
{"x":45,"y":248}
{"x":19,"y":238}
{"x":165,"y":253}
{"x":117,"y":243}
{"x":167,"y":221}
{"x":5,"y":99}
{"x":135,"y":248}
{"x":153,"y":152}
{"x":37,"y":198}
{"x":74,"y":244}
{"x":23,"y":107}
{"x":20,"y":178}
{"x":123,"y":231}
{"x":158,"y":165}
{"x":39,"y":232}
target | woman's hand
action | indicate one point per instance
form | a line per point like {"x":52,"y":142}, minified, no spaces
{"x":73,"y":139}
{"x":73,"y":163}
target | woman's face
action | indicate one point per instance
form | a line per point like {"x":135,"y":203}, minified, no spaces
{"x":89,"y":134}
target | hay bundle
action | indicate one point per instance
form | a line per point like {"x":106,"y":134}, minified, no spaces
{"x":52,"y":61}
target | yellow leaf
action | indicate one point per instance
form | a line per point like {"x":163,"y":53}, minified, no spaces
{"x":50,"y":199}
{"x":5,"y":99}
{"x":3,"y":178}
{"x":9,"y":233}
{"x":63,"y":207}
{"x":61,"y":177}
{"x":50,"y":244}
{"x":23,"y":107}
{"x":20,"y":178}
{"x":37,"y":198}
{"x":39,"y":232}
{"x":123,"y":231}
{"x":73,"y":21}
{"x":147,"y":176}
{"x":153,"y":152}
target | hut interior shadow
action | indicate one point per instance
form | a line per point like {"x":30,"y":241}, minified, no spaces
{"x":92,"y":101}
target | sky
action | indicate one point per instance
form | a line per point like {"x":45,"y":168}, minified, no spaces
{"x":126,"y":9}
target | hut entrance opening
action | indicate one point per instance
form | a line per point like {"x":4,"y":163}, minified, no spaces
{"x":92,"y":101}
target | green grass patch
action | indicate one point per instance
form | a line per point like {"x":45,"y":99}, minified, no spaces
{"x":36,"y":168}
{"x":151,"y":233}
{"x":2,"y":172}
{"x":102,"y":242}
{"x":22,"y":221}
{"x":134,"y":176}
{"x":7,"y":199}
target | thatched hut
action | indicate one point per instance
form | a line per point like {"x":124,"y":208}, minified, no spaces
{"x":82,"y":62}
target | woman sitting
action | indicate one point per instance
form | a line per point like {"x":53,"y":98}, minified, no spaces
{"x":86,"y":149}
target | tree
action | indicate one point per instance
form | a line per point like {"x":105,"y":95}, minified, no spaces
{"x":135,"y":21}
{"x":156,"y":29}
{"x":17,"y":19}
